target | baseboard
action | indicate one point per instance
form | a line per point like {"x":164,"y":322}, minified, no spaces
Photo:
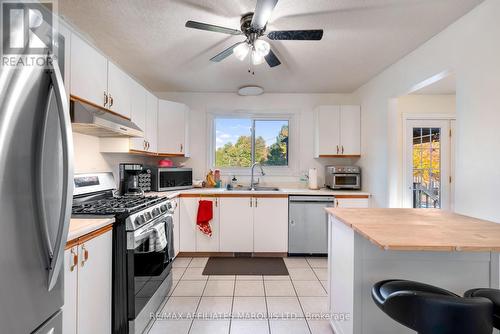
{"x":230,"y":254}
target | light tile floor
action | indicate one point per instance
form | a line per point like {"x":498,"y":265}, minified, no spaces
{"x":291,"y":304}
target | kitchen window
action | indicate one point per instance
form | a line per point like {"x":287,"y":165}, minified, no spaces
{"x":241,"y":141}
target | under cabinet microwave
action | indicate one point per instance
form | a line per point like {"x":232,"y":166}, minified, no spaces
{"x":166,"y":178}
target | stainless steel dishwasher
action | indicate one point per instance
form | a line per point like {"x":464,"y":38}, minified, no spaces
{"x":308,"y":224}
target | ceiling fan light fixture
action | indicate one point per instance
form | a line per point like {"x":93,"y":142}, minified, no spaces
{"x":257,"y":57}
{"x":262,"y":47}
{"x":241,"y":51}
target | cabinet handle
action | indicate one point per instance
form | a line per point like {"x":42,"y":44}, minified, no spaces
{"x":182,"y":147}
{"x":216,"y":202}
{"x":144,"y":145}
{"x":105,"y":99}
{"x":74,"y":256}
{"x":342,"y":149}
{"x":149,"y":145}
{"x":85,"y":255}
{"x":336,"y":203}
{"x":251,"y":202}
{"x":111,"y":100}
{"x":337,"y":149}
{"x":256,"y":202}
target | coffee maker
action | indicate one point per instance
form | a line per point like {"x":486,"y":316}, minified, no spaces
{"x":129,"y":179}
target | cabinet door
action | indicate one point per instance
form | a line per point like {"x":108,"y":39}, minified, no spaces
{"x":152,"y":122}
{"x":70,"y":290}
{"x":94,"y":285}
{"x":176,"y":220}
{"x":350,"y":130}
{"x":89,"y":72}
{"x":120,"y":87}
{"x":138,"y":114}
{"x":205,"y":243}
{"x":270,"y":225}
{"x":328,"y":131}
{"x":188,"y":213}
{"x":236,"y":224}
{"x":352,"y":202}
{"x":172,"y":118}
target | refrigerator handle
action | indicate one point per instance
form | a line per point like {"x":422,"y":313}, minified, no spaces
{"x":55,"y":252}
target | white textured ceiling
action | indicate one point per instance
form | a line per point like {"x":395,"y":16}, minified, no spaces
{"x":362,"y":37}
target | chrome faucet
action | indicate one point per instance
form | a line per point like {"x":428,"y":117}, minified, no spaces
{"x":252,"y":183}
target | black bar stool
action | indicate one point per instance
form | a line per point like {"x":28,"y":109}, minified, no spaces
{"x":491,"y":294}
{"x":431,"y":310}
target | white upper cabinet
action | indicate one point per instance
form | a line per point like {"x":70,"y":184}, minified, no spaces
{"x":173,"y":130}
{"x":338,"y":131}
{"x":89,"y":72}
{"x":328,"y":130}
{"x":120,"y":89}
{"x":350,"y":130}
{"x":138,"y":114}
{"x":151,"y":122}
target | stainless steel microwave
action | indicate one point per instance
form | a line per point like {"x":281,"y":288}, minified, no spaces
{"x":343,"y":177}
{"x":166,"y":178}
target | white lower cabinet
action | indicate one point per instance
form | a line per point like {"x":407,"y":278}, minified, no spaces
{"x":191,"y":238}
{"x":270,"y":227}
{"x":352,"y":202}
{"x":88,"y":286}
{"x":236,"y":224}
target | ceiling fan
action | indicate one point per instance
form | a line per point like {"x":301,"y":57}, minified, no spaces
{"x":253,"y":26}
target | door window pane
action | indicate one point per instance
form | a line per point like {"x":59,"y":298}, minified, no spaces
{"x":426,"y":167}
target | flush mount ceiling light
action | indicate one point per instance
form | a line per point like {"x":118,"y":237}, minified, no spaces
{"x":253,"y":27}
{"x":250,"y":91}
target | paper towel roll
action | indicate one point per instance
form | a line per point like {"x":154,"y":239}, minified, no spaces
{"x":313,"y":178}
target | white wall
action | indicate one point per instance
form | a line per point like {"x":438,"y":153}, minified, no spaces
{"x":409,"y":104}
{"x":469,"y":48}
{"x":202,"y":103}
{"x":88,"y":158}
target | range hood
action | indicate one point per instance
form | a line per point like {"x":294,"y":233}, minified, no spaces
{"x":90,"y":119}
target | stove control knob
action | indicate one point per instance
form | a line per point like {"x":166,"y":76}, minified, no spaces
{"x":148,"y":215}
{"x":164,"y":208}
{"x":140,"y":220}
{"x":156,"y":212}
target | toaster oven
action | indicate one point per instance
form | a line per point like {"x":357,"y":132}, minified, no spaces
{"x":343,"y":177}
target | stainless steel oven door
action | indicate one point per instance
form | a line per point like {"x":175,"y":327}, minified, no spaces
{"x":346,"y":181}
{"x":149,"y":261}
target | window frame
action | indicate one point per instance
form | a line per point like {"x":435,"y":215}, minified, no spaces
{"x":289,"y":170}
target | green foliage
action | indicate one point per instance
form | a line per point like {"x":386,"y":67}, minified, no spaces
{"x":240,"y":153}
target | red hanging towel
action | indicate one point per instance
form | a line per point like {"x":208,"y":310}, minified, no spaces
{"x":205,"y":215}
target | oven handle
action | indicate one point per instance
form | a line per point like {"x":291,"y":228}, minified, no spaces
{"x":148,"y":229}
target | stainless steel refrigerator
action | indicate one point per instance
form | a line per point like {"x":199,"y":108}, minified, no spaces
{"x":36,"y":186}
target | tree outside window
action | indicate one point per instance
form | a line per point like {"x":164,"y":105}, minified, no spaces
{"x":241,"y":141}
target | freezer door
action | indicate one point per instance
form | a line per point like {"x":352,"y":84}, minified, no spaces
{"x":308,"y":227}
{"x":52,"y":326}
{"x":35,"y":199}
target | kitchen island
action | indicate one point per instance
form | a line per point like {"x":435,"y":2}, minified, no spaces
{"x":448,"y":250}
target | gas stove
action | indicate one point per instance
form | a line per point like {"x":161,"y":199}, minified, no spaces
{"x":143,"y":247}
{"x":115,"y":205}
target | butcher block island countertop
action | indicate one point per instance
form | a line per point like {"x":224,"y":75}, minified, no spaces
{"x":421,"y":229}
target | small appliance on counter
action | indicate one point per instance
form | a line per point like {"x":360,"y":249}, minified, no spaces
{"x":174,"y":178}
{"x":129,"y":179}
{"x":343,"y":177}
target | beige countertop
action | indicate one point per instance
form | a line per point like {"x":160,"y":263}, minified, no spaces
{"x":80,"y":227}
{"x":282,"y":191}
{"x":421,"y":229}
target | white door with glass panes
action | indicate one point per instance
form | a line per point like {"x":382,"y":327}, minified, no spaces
{"x":428,"y":164}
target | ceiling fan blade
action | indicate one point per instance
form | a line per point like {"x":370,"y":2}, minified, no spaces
{"x":226,"y":53}
{"x":262,"y":13}
{"x":298,"y":35}
{"x":271,"y":59}
{"x":211,"y":27}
